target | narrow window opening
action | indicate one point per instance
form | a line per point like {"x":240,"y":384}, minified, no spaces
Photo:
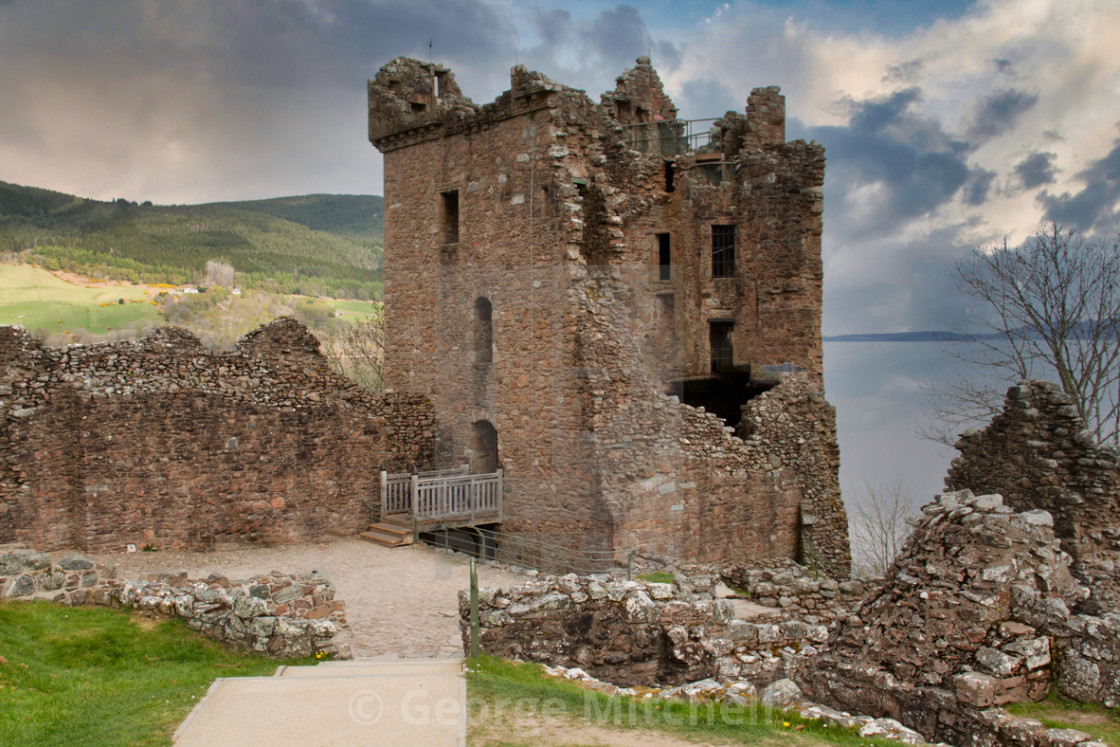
{"x":664,"y":257}
{"x":723,"y":251}
{"x":719,"y":339}
{"x":451,"y":217}
{"x":483,"y":331}
{"x":669,"y":176}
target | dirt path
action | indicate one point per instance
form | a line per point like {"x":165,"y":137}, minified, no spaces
{"x":400,"y":601}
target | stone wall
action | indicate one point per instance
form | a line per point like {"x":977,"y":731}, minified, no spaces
{"x":796,"y":592}
{"x":1038,"y":455}
{"x":974,"y":613}
{"x":635,"y":633}
{"x":275,"y":615}
{"x":160,"y":441}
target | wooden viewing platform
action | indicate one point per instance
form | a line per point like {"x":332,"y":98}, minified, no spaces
{"x":434,"y":501}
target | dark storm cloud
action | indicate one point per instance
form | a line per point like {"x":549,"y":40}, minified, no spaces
{"x":976,"y":189}
{"x":596,"y":50}
{"x":918,"y":166}
{"x":997,"y":113}
{"x":1036,"y":169}
{"x":214,"y":99}
{"x":1092,"y":207}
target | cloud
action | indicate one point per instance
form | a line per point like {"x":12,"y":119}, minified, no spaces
{"x":913,"y":164}
{"x":1036,"y":169}
{"x":1095,"y":205}
{"x":997,"y":113}
{"x":978,"y":186}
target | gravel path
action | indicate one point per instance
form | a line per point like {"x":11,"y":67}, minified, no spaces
{"x":401,"y":601}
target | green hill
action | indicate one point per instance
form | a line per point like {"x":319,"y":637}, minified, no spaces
{"x":316,"y":244}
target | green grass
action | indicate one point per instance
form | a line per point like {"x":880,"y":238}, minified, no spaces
{"x":38,"y":300}
{"x":1058,"y":713}
{"x":94,"y":676}
{"x":498,"y":689}
{"x":352,"y":311}
{"x":657,"y":577}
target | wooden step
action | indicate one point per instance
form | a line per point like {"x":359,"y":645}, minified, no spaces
{"x":388,"y":535}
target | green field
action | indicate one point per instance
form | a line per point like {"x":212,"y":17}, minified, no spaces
{"x":38,"y":300}
{"x":352,"y":311}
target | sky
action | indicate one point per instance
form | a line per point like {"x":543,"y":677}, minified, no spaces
{"x":948,"y":124}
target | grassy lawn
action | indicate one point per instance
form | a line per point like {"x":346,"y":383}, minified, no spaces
{"x":352,"y":311}
{"x":513,"y":703}
{"x":1058,"y":713}
{"x":94,"y":676}
{"x":38,"y":300}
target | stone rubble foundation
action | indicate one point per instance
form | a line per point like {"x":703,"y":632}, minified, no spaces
{"x":276,"y":615}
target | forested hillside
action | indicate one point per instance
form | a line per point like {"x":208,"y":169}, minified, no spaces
{"x":327,"y":245}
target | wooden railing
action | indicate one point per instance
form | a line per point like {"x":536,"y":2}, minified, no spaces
{"x":442,"y":495}
{"x":395,"y":495}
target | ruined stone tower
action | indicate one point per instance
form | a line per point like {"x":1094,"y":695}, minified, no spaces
{"x":620,"y":307}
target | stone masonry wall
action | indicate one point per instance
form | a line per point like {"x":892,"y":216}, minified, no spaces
{"x":1038,"y":455}
{"x":974,"y":613}
{"x":160,"y":441}
{"x":275,"y":615}
{"x":635,"y":633}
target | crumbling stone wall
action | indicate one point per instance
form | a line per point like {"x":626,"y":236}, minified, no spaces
{"x":275,"y":615}
{"x":1038,"y":455}
{"x":545,"y":209}
{"x":796,"y":592}
{"x":974,"y":613}
{"x":636,"y":633}
{"x":160,"y":441}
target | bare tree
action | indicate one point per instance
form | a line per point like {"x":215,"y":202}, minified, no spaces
{"x":1049,"y":309}
{"x":219,"y":273}
{"x":357,"y":350}
{"x":878,"y":526}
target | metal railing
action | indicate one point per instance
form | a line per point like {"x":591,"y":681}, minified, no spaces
{"x":526,"y":552}
{"x":670,"y":137}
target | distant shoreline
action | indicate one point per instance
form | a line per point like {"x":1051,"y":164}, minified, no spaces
{"x":926,"y":336}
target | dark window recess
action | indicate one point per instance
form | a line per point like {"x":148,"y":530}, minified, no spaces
{"x":483,"y":331}
{"x":719,"y":338}
{"x":669,"y":174}
{"x":483,"y":457}
{"x":723,"y":251}
{"x":450,"y":217}
{"x":664,"y":257}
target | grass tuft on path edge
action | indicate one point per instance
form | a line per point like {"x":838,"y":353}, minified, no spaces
{"x":498,"y":689}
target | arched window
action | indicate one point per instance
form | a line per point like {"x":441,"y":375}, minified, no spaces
{"x":483,"y":455}
{"x":483,"y":331}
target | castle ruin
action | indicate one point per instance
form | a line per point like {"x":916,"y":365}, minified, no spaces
{"x":619,"y":307}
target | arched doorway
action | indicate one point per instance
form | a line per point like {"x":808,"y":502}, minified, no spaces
{"x":483,"y":449}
